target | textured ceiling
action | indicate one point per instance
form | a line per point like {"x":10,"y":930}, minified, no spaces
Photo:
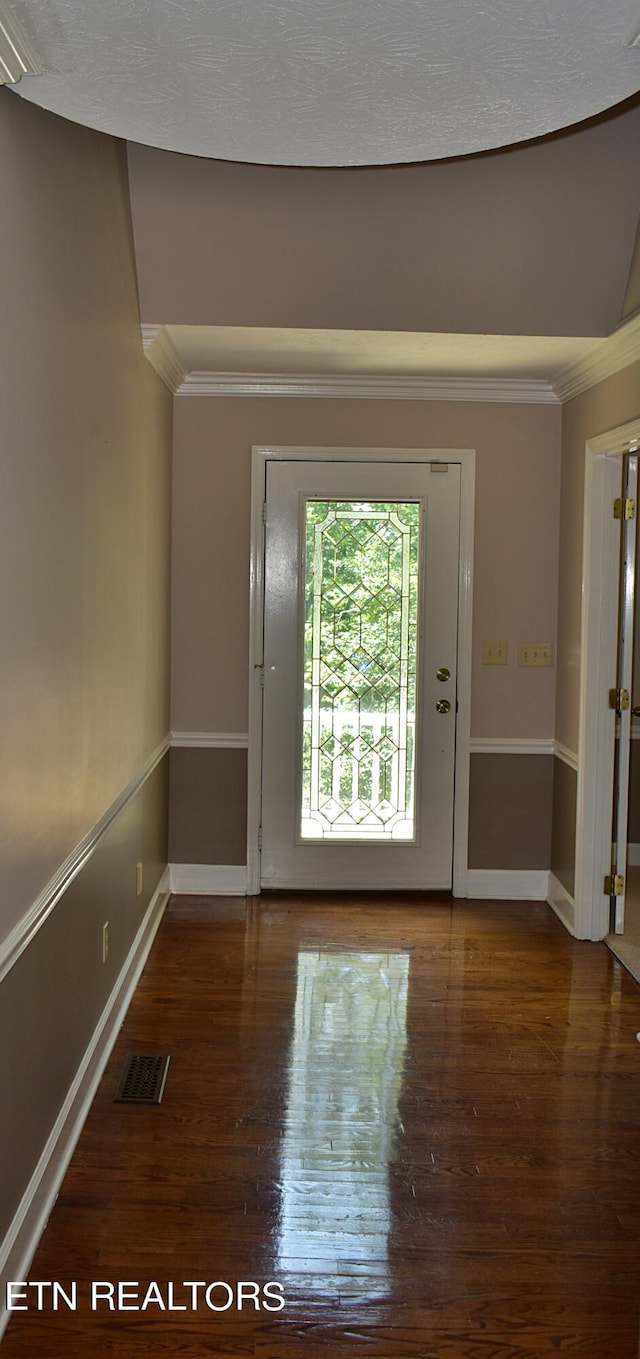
{"x":329,"y":82}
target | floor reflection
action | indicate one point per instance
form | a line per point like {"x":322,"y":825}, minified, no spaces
{"x":344,"y":1083}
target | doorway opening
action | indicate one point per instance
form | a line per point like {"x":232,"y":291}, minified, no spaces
{"x":360,"y":659}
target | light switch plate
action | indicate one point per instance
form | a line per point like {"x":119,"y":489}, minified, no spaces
{"x":535,"y":653}
{"x":495,"y":652}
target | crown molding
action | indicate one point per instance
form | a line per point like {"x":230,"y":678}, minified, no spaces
{"x":149,"y":333}
{"x":162,"y":355}
{"x":18,"y":56}
{"x":365,"y":387}
{"x":617,"y":351}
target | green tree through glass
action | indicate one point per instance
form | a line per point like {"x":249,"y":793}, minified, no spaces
{"x":360,"y":646}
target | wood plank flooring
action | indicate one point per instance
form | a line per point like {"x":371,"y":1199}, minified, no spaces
{"x":419,"y":1117}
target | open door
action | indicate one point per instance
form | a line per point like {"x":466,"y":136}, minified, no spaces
{"x":621,"y":697}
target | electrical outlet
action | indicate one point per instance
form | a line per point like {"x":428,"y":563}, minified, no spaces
{"x":495,"y":652}
{"x":105,"y":941}
{"x":535,"y":653}
{"x":138,"y":879}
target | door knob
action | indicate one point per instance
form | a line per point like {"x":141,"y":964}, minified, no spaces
{"x":443,"y":705}
{"x":443,"y":674}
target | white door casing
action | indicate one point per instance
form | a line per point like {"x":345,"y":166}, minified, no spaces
{"x":397,"y":474}
{"x":261,"y":457}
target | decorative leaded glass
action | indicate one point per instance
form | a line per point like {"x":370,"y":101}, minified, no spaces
{"x":360,"y":646}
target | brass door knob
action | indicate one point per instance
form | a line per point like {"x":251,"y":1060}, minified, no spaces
{"x":443,"y":705}
{"x":443,"y":674}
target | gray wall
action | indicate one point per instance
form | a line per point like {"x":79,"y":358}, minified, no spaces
{"x":521,"y":241}
{"x":54,"y":995}
{"x":515,"y":587}
{"x":84,"y":511}
{"x":84,"y":608}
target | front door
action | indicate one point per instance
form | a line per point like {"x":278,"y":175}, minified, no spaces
{"x":360,"y":651}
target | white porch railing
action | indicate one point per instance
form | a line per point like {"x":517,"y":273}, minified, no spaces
{"x":372,"y":775}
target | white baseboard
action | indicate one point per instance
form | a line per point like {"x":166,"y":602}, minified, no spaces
{"x":506,"y":884}
{"x":219,"y":880}
{"x":562,"y":903}
{"x":19,"y":1245}
{"x":633,"y":855}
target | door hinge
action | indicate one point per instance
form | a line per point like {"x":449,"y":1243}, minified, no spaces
{"x":614,"y":885}
{"x":264,"y":511}
{"x":624,"y":509}
{"x":259,"y":837}
{"x":619,"y":700}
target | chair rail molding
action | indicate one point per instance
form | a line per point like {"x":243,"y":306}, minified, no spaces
{"x":20,"y":937}
{"x":568,"y":757}
{"x":210,"y":740}
{"x":512,"y":745}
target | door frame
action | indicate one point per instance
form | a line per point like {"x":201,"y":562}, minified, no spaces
{"x":598,"y":668}
{"x":260,"y":456}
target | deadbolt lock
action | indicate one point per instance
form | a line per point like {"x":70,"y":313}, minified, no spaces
{"x":443,"y":705}
{"x":443,"y":674}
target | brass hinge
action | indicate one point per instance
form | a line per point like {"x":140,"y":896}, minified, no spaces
{"x":624,"y":509}
{"x":614,"y":885}
{"x":619,"y":700}
{"x":259,"y":837}
{"x":264,"y":512}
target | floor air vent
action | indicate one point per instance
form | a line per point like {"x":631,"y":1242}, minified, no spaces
{"x":142,"y":1080}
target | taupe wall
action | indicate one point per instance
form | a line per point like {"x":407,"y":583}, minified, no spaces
{"x":516,"y":553}
{"x":84,"y":605}
{"x":510,"y":811}
{"x":632,"y":295}
{"x":521,"y":241}
{"x":563,"y":832}
{"x":208,"y":806}
{"x":84,"y":510}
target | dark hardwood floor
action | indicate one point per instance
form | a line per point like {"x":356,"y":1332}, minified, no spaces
{"x":421,"y":1118}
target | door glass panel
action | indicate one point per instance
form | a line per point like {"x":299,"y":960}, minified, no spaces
{"x":362,"y":570}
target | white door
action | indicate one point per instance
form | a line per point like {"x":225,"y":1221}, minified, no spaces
{"x":360,"y":650}
{"x":624,"y":690}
